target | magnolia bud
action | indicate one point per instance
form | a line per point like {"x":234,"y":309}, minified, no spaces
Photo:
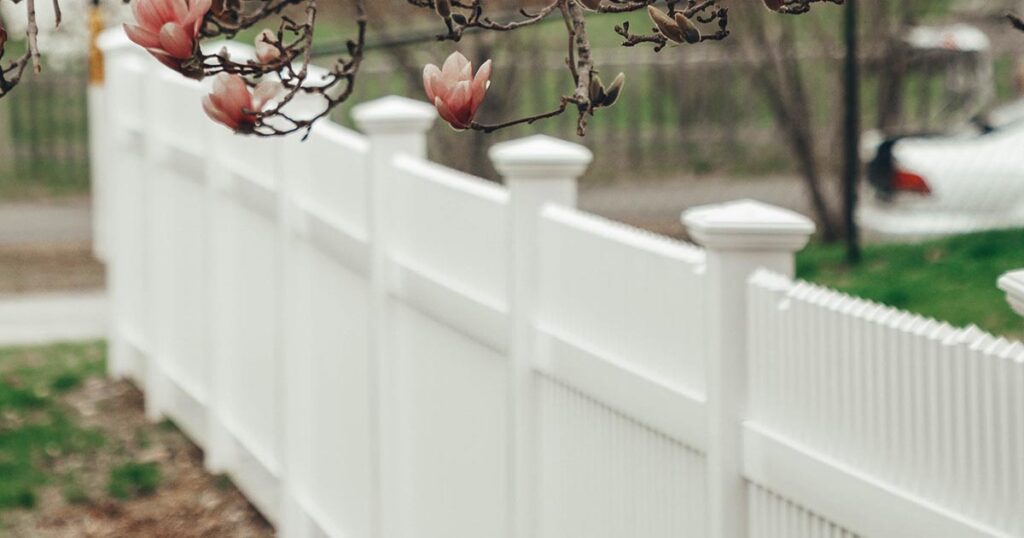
{"x":666,"y":25}
{"x":597,"y":94}
{"x":592,"y":5}
{"x":690,"y":31}
{"x":443,"y":8}
{"x":773,"y":5}
{"x":611,"y":94}
{"x":266,"y":47}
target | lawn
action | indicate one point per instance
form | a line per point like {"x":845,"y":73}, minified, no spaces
{"x":34,"y":428}
{"x":78,"y":458}
{"x":952,"y":279}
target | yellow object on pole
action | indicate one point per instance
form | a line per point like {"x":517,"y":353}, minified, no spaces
{"x":95,"y":54}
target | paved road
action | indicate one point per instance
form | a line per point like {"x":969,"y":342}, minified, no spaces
{"x":46,"y":223}
{"x":656,"y":205}
{"x":652,"y":204}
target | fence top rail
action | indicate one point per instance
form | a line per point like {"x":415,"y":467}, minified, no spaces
{"x":876,"y":313}
{"x":622,"y":233}
{"x":340,"y":135}
{"x":450,"y":178}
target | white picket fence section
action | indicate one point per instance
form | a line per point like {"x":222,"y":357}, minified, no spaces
{"x":372,"y":345}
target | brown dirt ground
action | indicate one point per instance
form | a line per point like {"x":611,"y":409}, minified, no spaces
{"x":188,"y":502}
{"x":50,"y":268}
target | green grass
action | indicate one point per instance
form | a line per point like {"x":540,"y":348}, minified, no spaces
{"x":952,"y":279}
{"x":223,"y":482}
{"x":74,"y":493}
{"x":133,"y":479}
{"x":34,"y":427}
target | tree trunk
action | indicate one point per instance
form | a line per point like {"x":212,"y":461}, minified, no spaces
{"x":777,"y":72}
{"x":851,"y":133}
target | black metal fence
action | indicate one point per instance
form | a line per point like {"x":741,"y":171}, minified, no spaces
{"x":44,"y":142}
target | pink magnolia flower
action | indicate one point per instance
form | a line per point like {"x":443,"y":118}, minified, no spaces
{"x":454,"y":90}
{"x":168,"y":29}
{"x":266,"y":49}
{"x":233,"y":104}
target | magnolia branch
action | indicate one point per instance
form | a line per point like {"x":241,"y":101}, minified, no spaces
{"x":259,"y":95}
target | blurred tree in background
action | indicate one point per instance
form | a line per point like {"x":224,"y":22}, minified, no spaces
{"x":761,"y":104}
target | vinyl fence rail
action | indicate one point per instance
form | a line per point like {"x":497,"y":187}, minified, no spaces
{"x":373,"y":345}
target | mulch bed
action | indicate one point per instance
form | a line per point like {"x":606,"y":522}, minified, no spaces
{"x":187,"y":501}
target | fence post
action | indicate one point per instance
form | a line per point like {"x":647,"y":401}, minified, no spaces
{"x":110,"y":205}
{"x":394,"y":125}
{"x":740,"y":237}
{"x":537,"y":170}
{"x":1013,"y":284}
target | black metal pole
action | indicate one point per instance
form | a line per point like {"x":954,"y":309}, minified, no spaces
{"x":851,"y":134}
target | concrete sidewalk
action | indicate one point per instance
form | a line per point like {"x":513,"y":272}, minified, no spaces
{"x":57,"y":222}
{"x":45,"y":318}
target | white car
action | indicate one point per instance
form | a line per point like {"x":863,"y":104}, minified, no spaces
{"x":929,"y":185}
{"x":968,"y":178}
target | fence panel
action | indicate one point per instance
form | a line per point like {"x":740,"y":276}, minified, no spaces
{"x":606,"y":474}
{"x":131,"y":339}
{"x":179,"y":231}
{"x":451,"y":226}
{"x":649,"y":319}
{"x":253,"y":399}
{"x":336,"y":166}
{"x":448,"y":245}
{"x":331,"y":460}
{"x":772,"y":516}
{"x":620,"y":398}
{"x":915,"y":419}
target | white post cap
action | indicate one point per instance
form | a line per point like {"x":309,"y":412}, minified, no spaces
{"x":748,"y":225}
{"x":1013,"y":284}
{"x":394,"y":115}
{"x":540,"y":157}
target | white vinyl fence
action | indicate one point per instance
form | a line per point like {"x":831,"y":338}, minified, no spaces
{"x":372,"y":345}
